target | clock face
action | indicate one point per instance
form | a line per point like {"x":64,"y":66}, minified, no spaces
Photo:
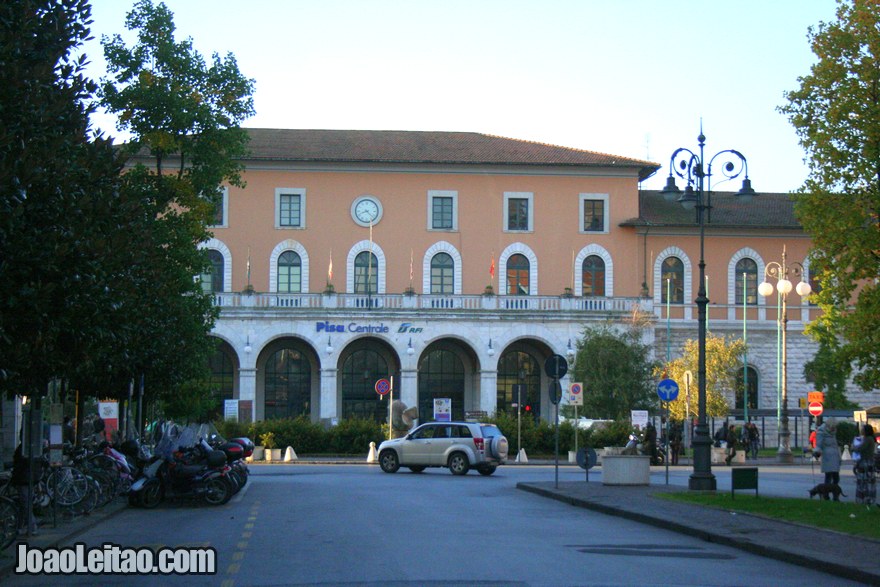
{"x":366,"y":211}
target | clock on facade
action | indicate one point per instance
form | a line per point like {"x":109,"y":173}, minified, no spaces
{"x":366,"y":210}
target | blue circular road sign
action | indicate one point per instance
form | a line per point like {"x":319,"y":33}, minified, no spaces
{"x":667,"y":390}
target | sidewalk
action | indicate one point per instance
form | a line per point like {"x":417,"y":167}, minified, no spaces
{"x":824,"y":550}
{"x":66,"y":531}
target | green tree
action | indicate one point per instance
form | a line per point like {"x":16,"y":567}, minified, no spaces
{"x":53,"y":177}
{"x":615,"y":368}
{"x":828,"y":372}
{"x":723,"y":364}
{"x":184,"y":117}
{"x":836,"y":113}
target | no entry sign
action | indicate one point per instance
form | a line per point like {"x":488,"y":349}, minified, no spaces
{"x":815,"y":409}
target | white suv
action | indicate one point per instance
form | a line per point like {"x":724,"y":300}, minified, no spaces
{"x":457,"y":445}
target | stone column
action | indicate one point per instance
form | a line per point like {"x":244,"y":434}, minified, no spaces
{"x":407,"y":390}
{"x":488,"y":391}
{"x":329,"y":403}
{"x":247,"y":389}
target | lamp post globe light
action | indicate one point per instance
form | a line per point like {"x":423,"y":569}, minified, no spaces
{"x":692,"y":167}
{"x":781,"y":272}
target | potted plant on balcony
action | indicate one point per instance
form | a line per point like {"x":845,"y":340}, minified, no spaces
{"x":248,"y":290}
{"x":329,"y":289}
{"x":489,"y":291}
{"x":567,"y":293}
{"x":409,"y":291}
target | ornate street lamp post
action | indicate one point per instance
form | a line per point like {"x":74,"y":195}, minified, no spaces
{"x":691,"y":167}
{"x":781,"y":272}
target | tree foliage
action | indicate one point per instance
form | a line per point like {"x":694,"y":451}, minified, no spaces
{"x":54,"y":180}
{"x":836,"y":113}
{"x":617,"y":373}
{"x":723,"y":364}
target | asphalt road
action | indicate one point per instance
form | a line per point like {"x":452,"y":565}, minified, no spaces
{"x":354,"y":525}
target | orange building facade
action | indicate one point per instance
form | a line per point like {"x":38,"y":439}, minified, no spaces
{"x":455,"y":264}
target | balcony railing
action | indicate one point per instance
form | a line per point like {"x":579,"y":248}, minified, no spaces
{"x":431,"y":302}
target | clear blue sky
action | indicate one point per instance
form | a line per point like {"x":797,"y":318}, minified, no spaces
{"x":626,"y":77}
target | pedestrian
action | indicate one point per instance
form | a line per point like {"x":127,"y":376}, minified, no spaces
{"x":754,"y":440}
{"x":675,"y":442}
{"x":651,"y":442}
{"x":827,"y":448}
{"x":865,"y":469}
{"x":720,"y":436}
{"x":24,"y":478}
{"x":731,"y":444}
{"x":813,"y":439}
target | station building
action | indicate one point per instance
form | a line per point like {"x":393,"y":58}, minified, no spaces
{"x":454,"y":264}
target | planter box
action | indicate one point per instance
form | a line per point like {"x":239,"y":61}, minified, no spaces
{"x":719,"y":454}
{"x":626,"y":470}
{"x":273,"y":454}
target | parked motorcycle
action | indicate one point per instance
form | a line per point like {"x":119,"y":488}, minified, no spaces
{"x":184,"y":467}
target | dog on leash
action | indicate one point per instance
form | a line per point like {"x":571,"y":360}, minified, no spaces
{"x":826,"y":490}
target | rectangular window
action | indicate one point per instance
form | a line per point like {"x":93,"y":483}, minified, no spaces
{"x":290,"y":208}
{"x":518,"y":212}
{"x":594,"y":213}
{"x":220,"y":207}
{"x":442,"y":210}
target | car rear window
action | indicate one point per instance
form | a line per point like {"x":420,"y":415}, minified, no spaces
{"x":490,"y":430}
{"x":464,"y":432}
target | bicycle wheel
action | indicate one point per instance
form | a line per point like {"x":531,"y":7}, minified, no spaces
{"x":68,"y":486}
{"x":8,"y":521}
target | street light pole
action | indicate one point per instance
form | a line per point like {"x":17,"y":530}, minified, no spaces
{"x":689,"y":166}
{"x":781,"y":271}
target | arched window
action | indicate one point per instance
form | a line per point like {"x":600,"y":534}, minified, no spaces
{"x":212,"y":278}
{"x":519,"y":377}
{"x":442,"y":274}
{"x":222,"y":377}
{"x":672,"y":281}
{"x":517,"y":275}
{"x":593,"y":276}
{"x":289,"y":273}
{"x":441,"y":375}
{"x":288,"y":385}
{"x":366,"y":270}
{"x":753,"y":389}
{"x":360,"y":371}
{"x":747,"y":269}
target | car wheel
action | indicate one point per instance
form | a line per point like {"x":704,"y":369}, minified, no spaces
{"x":417,"y":468}
{"x":388,"y":461}
{"x":458,"y":463}
{"x":486,"y":471}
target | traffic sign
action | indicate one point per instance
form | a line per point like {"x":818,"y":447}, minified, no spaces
{"x":815,"y":397}
{"x":575,"y":388}
{"x":816,"y":409}
{"x":587,"y":458}
{"x":383,"y":386}
{"x":667,"y":390}
{"x":556,"y":366}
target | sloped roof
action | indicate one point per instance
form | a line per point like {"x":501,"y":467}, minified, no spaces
{"x":424,"y":147}
{"x":765,"y":210}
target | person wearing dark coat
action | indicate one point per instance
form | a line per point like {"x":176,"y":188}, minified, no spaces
{"x":731,"y":444}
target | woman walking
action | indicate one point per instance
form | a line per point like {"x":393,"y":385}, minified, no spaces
{"x":865,"y":470}
{"x":826,"y":446}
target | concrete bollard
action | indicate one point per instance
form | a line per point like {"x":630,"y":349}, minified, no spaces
{"x":521,"y":456}
{"x":847,"y":456}
{"x":290,"y":455}
{"x":372,"y":457}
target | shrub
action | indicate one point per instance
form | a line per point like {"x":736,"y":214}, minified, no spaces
{"x":612,"y":434}
{"x":354,"y":435}
{"x":846,"y":431}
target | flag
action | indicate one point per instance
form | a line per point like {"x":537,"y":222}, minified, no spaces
{"x":492,"y":267}
{"x":249,"y":266}
{"x":410,"y":266}
{"x":330,"y":268}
